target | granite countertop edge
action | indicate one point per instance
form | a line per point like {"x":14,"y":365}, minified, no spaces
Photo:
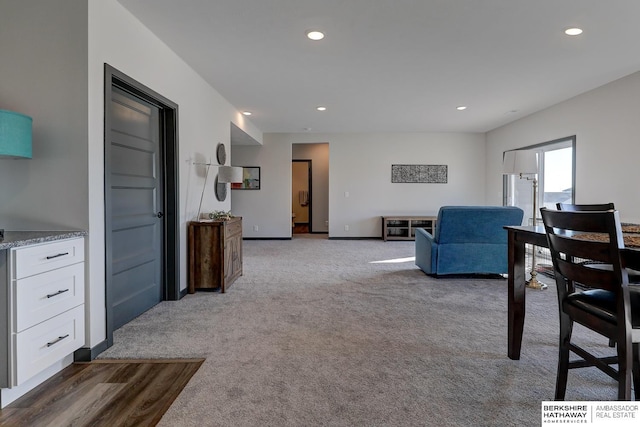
{"x":13,"y":239}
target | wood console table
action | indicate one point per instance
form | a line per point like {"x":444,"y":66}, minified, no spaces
{"x":215,"y":254}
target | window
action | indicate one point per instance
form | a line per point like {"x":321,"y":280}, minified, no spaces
{"x":556,"y":178}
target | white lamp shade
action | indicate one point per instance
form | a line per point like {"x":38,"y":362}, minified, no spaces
{"x":229,"y":174}
{"x":520,"y":162}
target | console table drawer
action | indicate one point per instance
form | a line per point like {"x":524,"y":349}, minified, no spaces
{"x":38,"y":298}
{"x":38,"y":347}
{"x":37,"y":259}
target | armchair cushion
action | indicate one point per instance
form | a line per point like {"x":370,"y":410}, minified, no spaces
{"x":467,"y":240}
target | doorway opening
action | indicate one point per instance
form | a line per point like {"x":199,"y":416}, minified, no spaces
{"x":301,"y":196}
{"x":310,"y":189}
{"x":141,"y":199}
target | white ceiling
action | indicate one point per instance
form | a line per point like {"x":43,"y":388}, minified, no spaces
{"x":397,"y":65}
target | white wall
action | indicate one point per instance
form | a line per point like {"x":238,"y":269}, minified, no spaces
{"x":606,"y":122}
{"x":116,"y":37}
{"x":43,"y":72}
{"x":268,"y":209}
{"x":107,"y":33}
{"x":360,"y":165}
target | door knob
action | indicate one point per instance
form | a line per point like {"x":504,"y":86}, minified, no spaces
{"x":160,"y":214}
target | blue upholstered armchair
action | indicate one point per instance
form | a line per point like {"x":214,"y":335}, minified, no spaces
{"x":467,"y":240}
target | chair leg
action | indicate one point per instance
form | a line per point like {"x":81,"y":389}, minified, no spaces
{"x":636,"y":371}
{"x":625,"y":367}
{"x":566,"y":326}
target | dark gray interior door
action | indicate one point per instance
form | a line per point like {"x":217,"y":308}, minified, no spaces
{"x":134,"y":205}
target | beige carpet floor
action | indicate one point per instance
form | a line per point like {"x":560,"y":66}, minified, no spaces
{"x":324,"y":332}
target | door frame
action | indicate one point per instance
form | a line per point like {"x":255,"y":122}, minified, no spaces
{"x":170,"y":274}
{"x":310,"y":179}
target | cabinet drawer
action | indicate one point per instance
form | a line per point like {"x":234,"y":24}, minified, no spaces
{"x":42,"y":345}
{"x":37,"y":259}
{"x":37,"y":298}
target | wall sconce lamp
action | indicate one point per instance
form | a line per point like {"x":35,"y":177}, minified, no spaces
{"x":226,"y":174}
{"x":229,"y":174}
{"x":521,"y":163}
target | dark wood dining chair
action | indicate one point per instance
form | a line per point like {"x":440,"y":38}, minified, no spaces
{"x":609,"y":306}
{"x":634,"y":276}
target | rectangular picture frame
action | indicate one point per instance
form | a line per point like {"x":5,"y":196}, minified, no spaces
{"x":250,"y":179}
{"x":430,"y":174}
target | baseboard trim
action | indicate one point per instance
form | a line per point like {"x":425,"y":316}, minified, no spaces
{"x":266,"y":238}
{"x":330,"y":238}
{"x":86,"y":354}
{"x":355,"y":238}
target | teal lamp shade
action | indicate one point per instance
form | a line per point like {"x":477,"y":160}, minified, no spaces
{"x":15,"y":135}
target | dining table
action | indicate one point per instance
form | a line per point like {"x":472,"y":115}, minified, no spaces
{"x":517,"y":238}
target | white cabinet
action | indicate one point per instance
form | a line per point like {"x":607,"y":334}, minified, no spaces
{"x":45,"y":306}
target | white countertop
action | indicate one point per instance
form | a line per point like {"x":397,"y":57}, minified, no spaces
{"x":14,"y":239}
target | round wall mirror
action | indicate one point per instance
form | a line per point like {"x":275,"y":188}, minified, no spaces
{"x":221,"y":154}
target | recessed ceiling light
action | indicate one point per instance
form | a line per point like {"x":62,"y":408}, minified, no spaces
{"x":461,"y":107}
{"x":246,"y":113}
{"x":573,"y":31}
{"x":321,"y":108}
{"x":315,"y":35}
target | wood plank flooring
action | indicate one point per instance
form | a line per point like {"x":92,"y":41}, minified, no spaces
{"x":103,"y":393}
{"x":300,"y":228}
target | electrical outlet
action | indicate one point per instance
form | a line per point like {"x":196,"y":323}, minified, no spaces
{"x":326,"y":223}
{"x":255,"y":228}
{"x":346,"y":228}
{"x":346,"y":194}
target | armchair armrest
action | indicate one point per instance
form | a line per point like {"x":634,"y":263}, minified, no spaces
{"x":426,"y":251}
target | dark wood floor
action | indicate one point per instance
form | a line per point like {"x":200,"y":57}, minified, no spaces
{"x":300,"y":228}
{"x":103,"y":393}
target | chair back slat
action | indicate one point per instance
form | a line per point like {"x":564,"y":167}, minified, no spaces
{"x":582,"y":208}
{"x":576,"y":246}
{"x":588,"y":276}
{"x":584,"y":222}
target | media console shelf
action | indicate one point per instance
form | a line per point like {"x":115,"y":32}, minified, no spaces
{"x":403,"y":227}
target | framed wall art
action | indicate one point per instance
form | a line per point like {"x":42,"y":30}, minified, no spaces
{"x":432,"y":174}
{"x":250,"y":179}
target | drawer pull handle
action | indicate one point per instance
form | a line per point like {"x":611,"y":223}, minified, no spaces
{"x":57,"y":293}
{"x":54,"y":342}
{"x":57,"y":255}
